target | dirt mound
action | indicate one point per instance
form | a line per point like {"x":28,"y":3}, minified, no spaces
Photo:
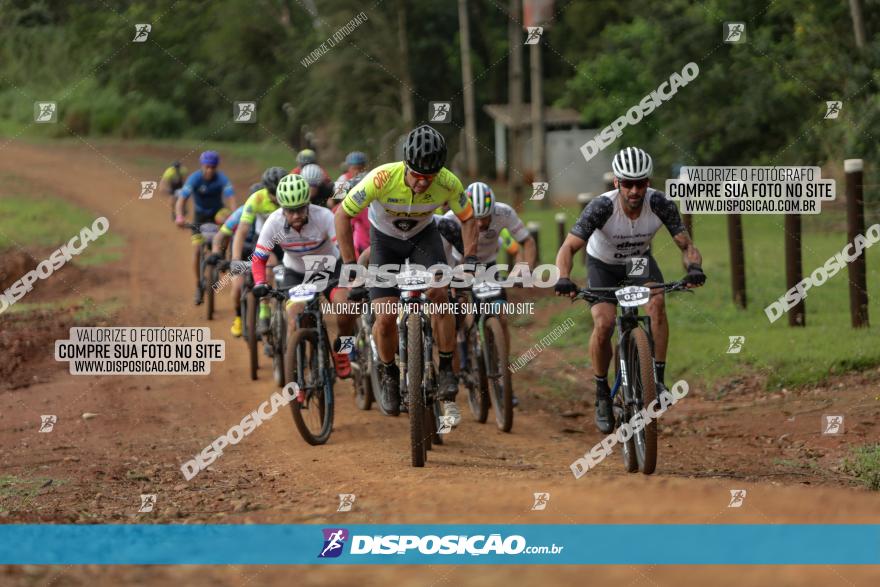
{"x":13,"y":264}
{"x":26,"y":342}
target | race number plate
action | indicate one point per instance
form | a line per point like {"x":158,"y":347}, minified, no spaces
{"x":303,"y":293}
{"x":634,"y":295}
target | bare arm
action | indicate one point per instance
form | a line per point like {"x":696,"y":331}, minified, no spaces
{"x":344,"y":235}
{"x":565,"y":256}
{"x":238,"y":240}
{"x":690,"y":254}
{"x":470,"y":231}
{"x":530,"y":251}
{"x":178,"y":207}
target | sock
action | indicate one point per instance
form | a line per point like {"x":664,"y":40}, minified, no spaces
{"x":238,"y":311}
{"x":389,"y":365}
{"x":661,"y":370}
{"x":445,"y":361}
{"x":265,"y":311}
{"x":601,"y":383}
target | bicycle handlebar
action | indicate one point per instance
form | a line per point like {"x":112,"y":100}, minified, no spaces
{"x":591,"y":293}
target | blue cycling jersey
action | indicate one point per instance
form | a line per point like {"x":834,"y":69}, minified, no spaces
{"x":208,"y":195}
{"x":231,"y":225}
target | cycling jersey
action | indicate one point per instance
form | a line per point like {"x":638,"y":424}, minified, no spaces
{"x":488,"y":245}
{"x":398,"y":212}
{"x":174,"y":177}
{"x":231,"y":225}
{"x":318,"y":237}
{"x":257,"y":208}
{"x":208,"y":195}
{"x":613,"y":237}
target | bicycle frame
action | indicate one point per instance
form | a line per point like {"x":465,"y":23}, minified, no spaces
{"x":312,"y":311}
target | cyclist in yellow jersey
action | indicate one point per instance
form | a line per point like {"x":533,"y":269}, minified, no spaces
{"x":172,"y":180}
{"x":256,"y":209}
{"x":402,"y":197}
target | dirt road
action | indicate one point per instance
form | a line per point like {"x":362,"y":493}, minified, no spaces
{"x":146,"y":427}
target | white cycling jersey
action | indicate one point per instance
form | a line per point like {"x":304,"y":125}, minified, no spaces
{"x":488,"y":241}
{"x":613,"y":237}
{"x":318,"y":237}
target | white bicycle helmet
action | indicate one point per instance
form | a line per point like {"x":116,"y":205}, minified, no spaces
{"x":482,"y":199}
{"x":632,"y":163}
{"x":313,"y":174}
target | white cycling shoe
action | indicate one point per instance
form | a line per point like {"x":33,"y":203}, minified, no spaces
{"x":450,"y":413}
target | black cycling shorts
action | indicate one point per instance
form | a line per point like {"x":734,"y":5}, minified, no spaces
{"x":600,"y":274}
{"x":293,"y":278}
{"x":424,"y":248}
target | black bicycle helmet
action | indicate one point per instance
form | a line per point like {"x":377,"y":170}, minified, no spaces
{"x":271,"y":177}
{"x":425,"y":150}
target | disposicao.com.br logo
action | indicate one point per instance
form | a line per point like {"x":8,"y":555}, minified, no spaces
{"x":430,"y":544}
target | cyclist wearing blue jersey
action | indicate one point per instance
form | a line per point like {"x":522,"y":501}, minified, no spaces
{"x":211,"y":191}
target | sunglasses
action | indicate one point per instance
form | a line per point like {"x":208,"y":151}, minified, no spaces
{"x":633,"y":183}
{"x":426,"y":177}
{"x":301,"y":211}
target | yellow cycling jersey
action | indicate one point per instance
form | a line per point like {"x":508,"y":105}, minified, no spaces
{"x":393,"y":207}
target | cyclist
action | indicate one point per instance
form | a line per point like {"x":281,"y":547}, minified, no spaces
{"x":617,"y":226}
{"x":492,"y":217}
{"x":210,"y":189}
{"x":172,"y":180}
{"x":356,"y":161}
{"x":308,"y":157}
{"x":320,"y":186}
{"x":360,"y":224}
{"x":402,"y":197}
{"x":302,"y":229}
{"x":250,"y":219}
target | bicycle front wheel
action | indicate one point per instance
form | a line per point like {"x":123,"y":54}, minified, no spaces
{"x":644,"y":390}
{"x":211,"y":275}
{"x":414,"y":371}
{"x":313,"y":408}
{"x":498,"y":374}
{"x":475,"y":378}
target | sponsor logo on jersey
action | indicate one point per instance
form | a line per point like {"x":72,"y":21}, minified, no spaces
{"x":380,"y":179}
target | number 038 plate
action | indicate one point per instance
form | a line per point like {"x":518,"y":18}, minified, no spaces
{"x":634,"y":295}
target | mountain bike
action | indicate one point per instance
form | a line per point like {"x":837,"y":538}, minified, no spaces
{"x":274,"y":339}
{"x":484,"y":366}
{"x":418,"y":378}
{"x":308,"y":364}
{"x":635,"y":379}
{"x":208,"y":274}
{"x":249,"y":306}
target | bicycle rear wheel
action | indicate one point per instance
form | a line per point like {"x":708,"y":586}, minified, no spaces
{"x":641,"y":374}
{"x":498,"y":374}
{"x":249,"y":313}
{"x":414,"y":371}
{"x":313,"y":408}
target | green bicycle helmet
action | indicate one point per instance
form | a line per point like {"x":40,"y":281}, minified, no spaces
{"x":292,"y":191}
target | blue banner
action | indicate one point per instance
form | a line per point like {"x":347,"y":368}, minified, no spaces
{"x":624,"y":544}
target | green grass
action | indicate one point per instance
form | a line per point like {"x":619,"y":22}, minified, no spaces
{"x":864,"y":463}
{"x":15,"y":491}
{"x":28,"y":222}
{"x":702,"y":322}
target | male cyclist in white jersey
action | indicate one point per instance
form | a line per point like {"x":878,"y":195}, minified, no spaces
{"x":615,"y":227}
{"x":301,"y":229}
{"x":492,"y":217}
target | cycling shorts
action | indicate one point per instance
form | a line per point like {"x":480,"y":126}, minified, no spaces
{"x":601,"y":274}
{"x":424,"y":248}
